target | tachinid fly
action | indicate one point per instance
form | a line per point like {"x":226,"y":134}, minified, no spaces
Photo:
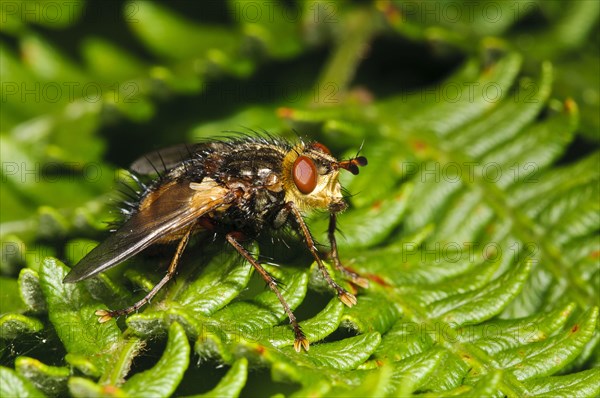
{"x":238,"y":187}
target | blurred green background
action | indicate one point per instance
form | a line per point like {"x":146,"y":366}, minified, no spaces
{"x":442,"y":88}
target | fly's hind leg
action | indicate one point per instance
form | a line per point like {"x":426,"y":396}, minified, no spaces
{"x":353,"y":276}
{"x":300,"y":340}
{"x":106,"y":315}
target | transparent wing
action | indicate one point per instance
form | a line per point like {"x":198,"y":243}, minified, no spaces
{"x":171,"y":209}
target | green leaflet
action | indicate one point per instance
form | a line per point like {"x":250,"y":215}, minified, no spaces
{"x":248,"y":318}
{"x":372,"y":313}
{"x":344,"y":354}
{"x":30,"y":290}
{"x":80,"y":387}
{"x":231,"y":385}
{"x":71,"y":311}
{"x":13,"y":385}
{"x":499,"y":335}
{"x":272,"y":27}
{"x":14,"y":325}
{"x":404,"y":340}
{"x":506,"y":120}
{"x":218,"y":284}
{"x":448,"y":376}
{"x":163,"y":378}
{"x":48,"y":62}
{"x":443,"y":117}
{"x":178,"y":37}
{"x":486,"y":386}
{"x":546,"y":357}
{"x":181,"y":39}
{"x":483,"y":303}
{"x":107,"y":61}
{"x":374,"y":384}
{"x":317,"y":328}
{"x":412,"y":264}
{"x":51,"y":380}
{"x":586,"y":383}
{"x":411,"y":373}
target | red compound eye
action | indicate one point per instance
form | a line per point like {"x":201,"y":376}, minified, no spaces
{"x":305,"y":175}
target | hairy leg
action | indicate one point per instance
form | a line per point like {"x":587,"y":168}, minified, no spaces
{"x":105,"y":315}
{"x":300,"y":340}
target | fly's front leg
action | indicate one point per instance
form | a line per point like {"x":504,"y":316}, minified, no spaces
{"x":106,"y":315}
{"x":353,"y":276}
{"x":345,"y":297}
{"x":300,"y":340}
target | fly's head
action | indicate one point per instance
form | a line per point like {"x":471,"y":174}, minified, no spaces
{"x":311,"y":177}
